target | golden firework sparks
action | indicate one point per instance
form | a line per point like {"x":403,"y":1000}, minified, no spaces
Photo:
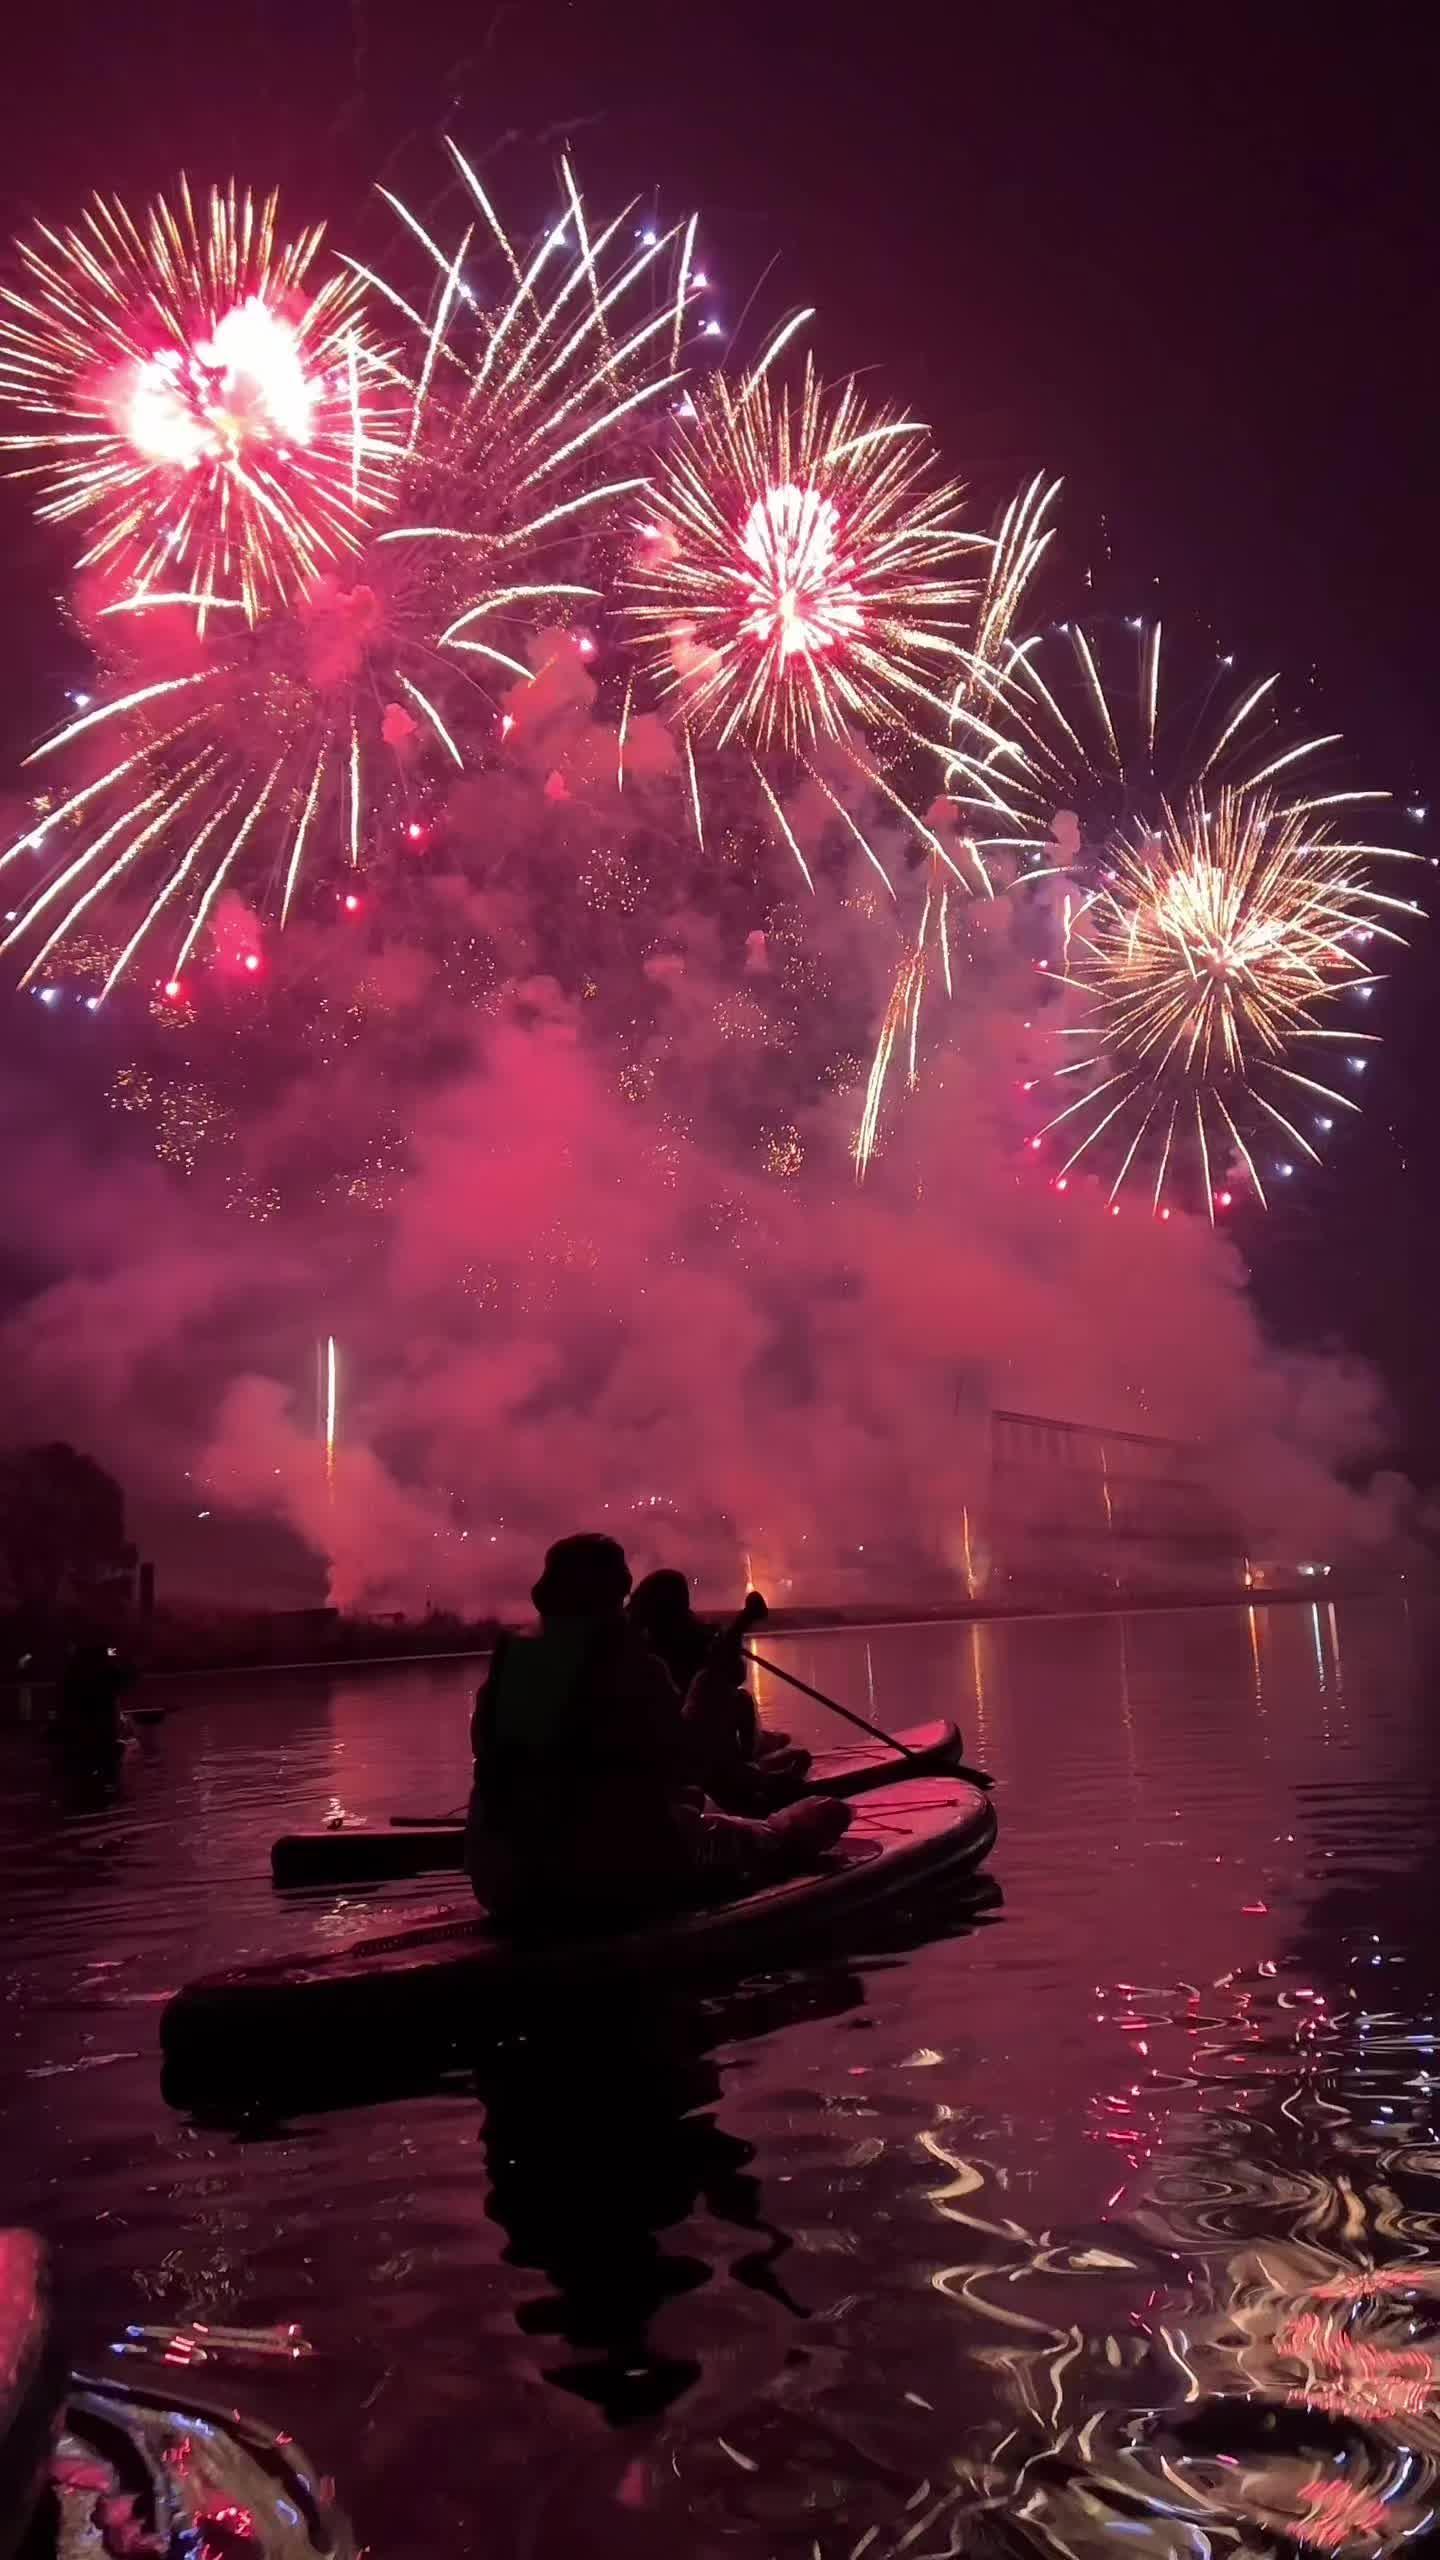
{"x":1208,"y":958}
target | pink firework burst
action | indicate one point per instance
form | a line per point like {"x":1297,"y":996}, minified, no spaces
{"x":801,"y":568}
{"x":219,"y":429}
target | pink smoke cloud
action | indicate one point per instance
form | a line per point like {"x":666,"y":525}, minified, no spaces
{"x":563,"y":1163}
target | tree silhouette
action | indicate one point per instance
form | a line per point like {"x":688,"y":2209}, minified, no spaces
{"x":62,"y":1526}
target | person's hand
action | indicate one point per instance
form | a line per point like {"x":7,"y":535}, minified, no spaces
{"x":727,"y":1652}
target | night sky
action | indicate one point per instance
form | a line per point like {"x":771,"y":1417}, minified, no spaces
{"x":1188,"y":258}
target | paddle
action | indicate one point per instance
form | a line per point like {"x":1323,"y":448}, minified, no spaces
{"x":751,"y":1615}
{"x":977,"y":1777}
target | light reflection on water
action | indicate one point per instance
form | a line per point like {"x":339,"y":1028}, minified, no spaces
{"x":1108,"y":2218}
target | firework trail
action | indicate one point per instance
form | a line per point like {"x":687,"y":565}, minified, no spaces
{"x":332,"y":1411}
{"x":218,"y":430}
{"x":1219,"y":897}
{"x":266,"y":762}
{"x":801,"y":591}
{"x":970,"y":867}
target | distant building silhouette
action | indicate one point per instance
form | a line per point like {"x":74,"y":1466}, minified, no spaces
{"x":1073,"y":1508}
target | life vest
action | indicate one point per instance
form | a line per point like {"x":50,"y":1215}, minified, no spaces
{"x":536,"y":1688}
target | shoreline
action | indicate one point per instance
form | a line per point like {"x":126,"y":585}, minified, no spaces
{"x":819,"y":1622}
{"x":782,"y":1622}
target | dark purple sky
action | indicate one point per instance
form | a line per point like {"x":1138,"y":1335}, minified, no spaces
{"x":1189,"y":257}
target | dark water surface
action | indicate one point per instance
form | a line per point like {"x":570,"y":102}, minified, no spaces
{"x":1109,"y":2217}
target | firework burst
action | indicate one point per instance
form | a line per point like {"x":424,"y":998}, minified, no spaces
{"x":803,"y":571}
{"x":1207,"y":959}
{"x":218,"y":428}
{"x":1197,"y":846}
{"x":1215,"y":897}
{"x":1066,"y":743}
{"x":804,"y":601}
{"x":265,"y":762}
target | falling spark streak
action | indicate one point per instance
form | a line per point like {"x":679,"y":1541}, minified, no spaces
{"x":157,"y":597}
{"x":121,"y":864}
{"x":1091,"y":1095}
{"x":1242,"y":1151}
{"x":571,"y":507}
{"x":624,"y":733}
{"x":170,"y":889}
{"x":500,"y":657}
{"x":1024,"y":537}
{"x":1165,"y":1155}
{"x":1134,"y":1148}
{"x":352,"y":376}
{"x":694,"y":790}
{"x":1325,"y":1092}
{"x":577,"y":213}
{"x":1295,"y":1135}
{"x":926,"y":834}
{"x":82,"y":862}
{"x":505,"y":596}
{"x":565,"y":357}
{"x":682,"y":287}
{"x":70,"y":807}
{"x":598,"y":427}
{"x":354,"y":794}
{"x":112,"y":711}
{"x":1205,"y":1160}
{"x":783,"y":823}
{"x":1241,"y":715}
{"x":188,"y":394}
{"x":1098,"y":693}
{"x":203,"y":911}
{"x":778,"y":343}
{"x":442,"y":314}
{"x":863,"y":841}
{"x":486,"y":207}
{"x":917,"y":988}
{"x":524,"y":294}
{"x":867,"y":1135}
{"x":436,"y":723}
{"x":88,"y":856}
{"x":298,"y":850}
{"x":1292,"y":755}
{"x":1015,"y":553}
{"x":1087,"y":1142}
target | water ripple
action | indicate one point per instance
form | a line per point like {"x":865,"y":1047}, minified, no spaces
{"x":1104,"y":2215}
